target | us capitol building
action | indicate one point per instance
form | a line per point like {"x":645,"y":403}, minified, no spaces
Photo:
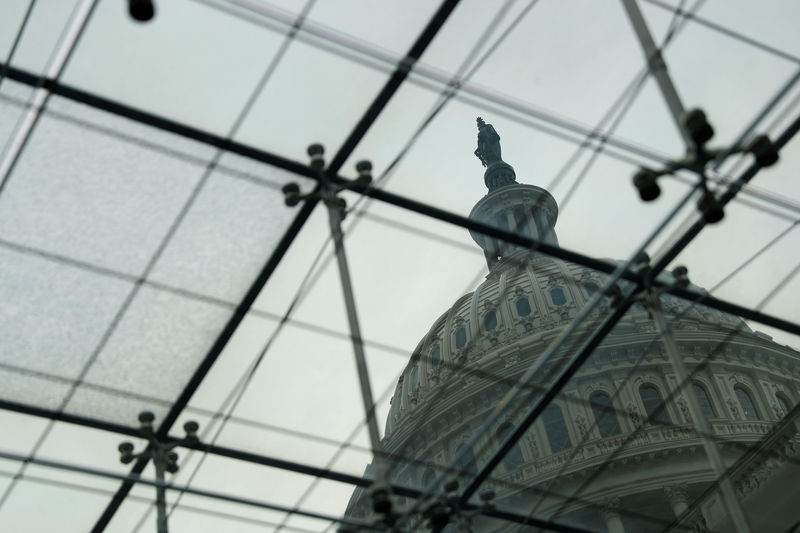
{"x":634,"y":459}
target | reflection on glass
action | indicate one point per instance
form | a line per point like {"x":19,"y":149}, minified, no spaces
{"x":415,"y":379}
{"x":746,"y":403}
{"x":604,"y":414}
{"x":556,"y":428}
{"x":703,"y":401}
{"x":490,"y":320}
{"x":651,"y":399}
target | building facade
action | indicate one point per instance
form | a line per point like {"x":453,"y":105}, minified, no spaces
{"x":618,"y":449}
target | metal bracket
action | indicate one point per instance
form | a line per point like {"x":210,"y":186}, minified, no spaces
{"x":164,"y":459}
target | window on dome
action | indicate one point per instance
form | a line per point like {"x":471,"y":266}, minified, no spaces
{"x":782,"y":403}
{"x":556,"y":429}
{"x":746,"y":403}
{"x":502,"y":221}
{"x":414,"y":378}
{"x":461,"y":337}
{"x":653,"y":406}
{"x":490,"y":320}
{"x":703,"y":400}
{"x":427,"y":478}
{"x":436,"y":356}
{"x":523,"y":307}
{"x":591,"y":287}
{"x":603,"y":411}
{"x":519,"y":218}
{"x":558,"y":296}
{"x":513,"y":458}
{"x":466,"y":460}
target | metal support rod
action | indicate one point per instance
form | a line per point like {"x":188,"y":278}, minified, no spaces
{"x":729,"y":194}
{"x":658,"y":67}
{"x":328,"y":193}
{"x":703,"y":427}
{"x":335,"y":220}
{"x":107,"y":474}
{"x":161,"y":490}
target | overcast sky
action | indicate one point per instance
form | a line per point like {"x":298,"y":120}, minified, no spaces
{"x":567,"y":60}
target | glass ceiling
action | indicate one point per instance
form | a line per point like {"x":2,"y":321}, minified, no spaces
{"x":148,"y":261}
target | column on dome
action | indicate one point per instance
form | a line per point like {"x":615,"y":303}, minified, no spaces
{"x":678,"y":498}
{"x":610,"y":514}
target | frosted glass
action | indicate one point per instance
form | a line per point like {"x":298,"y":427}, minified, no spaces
{"x":227,"y":236}
{"x":13,"y":98}
{"x":82,"y":193}
{"x":53,"y":315}
{"x":154,"y":351}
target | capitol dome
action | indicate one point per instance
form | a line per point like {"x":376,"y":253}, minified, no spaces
{"x":617,"y":449}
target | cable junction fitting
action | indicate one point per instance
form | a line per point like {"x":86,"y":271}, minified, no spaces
{"x":163,"y":456}
{"x":697,"y":158}
{"x":328,"y":191}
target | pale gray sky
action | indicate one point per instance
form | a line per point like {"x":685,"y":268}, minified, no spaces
{"x":566,"y":59}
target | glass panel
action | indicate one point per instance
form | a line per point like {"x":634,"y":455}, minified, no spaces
{"x":604,"y":414}
{"x":698,"y":49}
{"x":746,"y":403}
{"x":393,"y":25}
{"x":292,"y":112}
{"x":13,"y":101}
{"x":186,"y":47}
{"x":72,"y":510}
{"x":73,"y":305}
{"x":490,"y":321}
{"x":764,"y":25}
{"x":80,"y":191}
{"x":231,"y":230}
{"x":42,"y":33}
{"x":152,"y":352}
{"x":705,"y":403}
{"x":556,"y":429}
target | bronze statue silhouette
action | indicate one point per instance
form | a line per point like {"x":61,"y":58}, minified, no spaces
{"x":488,"y":150}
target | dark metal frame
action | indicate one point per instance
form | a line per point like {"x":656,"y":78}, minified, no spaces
{"x":393,"y":84}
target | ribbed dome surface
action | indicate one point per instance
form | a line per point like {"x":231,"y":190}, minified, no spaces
{"x":523,"y":296}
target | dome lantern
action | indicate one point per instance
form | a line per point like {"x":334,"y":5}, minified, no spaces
{"x":524,"y":209}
